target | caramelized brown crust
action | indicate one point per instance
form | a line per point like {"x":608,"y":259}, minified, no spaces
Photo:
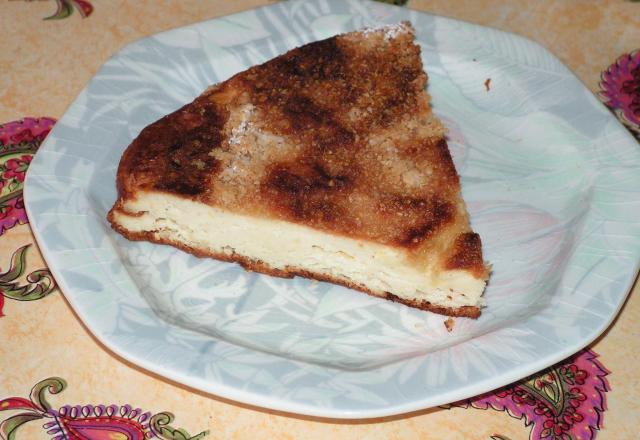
{"x":466,"y":254}
{"x":172,"y":154}
{"x":336,"y":135}
{"x":262,"y":267}
{"x":366,"y":158}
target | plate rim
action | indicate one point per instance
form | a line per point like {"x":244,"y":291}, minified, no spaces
{"x":253,"y":399}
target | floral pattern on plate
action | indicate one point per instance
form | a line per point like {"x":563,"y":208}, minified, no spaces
{"x":548,"y":174}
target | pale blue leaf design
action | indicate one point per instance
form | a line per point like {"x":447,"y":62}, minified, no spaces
{"x":333,"y":301}
{"x":312,"y":394}
{"x":238,"y":370}
{"x":234,"y":30}
{"x":197,"y":306}
{"x":459,"y":363}
{"x":478,"y":360}
{"x":612,"y":194}
{"x":408,"y":370}
{"x":436,"y":373}
{"x":223,"y":62}
{"x":355,"y":388}
{"x":288,"y":342}
{"x":265,"y":379}
{"x":168,"y":80}
{"x":361,"y":394}
{"x":509,"y":147}
{"x":136,"y":318}
{"x":347,"y":325}
{"x":523,"y":76}
{"x":216,"y":285}
{"x":325,"y":26}
{"x":90,"y":284}
{"x":613,"y":148}
{"x":611,"y":239}
{"x":511,"y":344}
{"x":246,"y":323}
{"x":182,"y":38}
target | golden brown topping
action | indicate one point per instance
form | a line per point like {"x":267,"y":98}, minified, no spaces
{"x":337,"y":135}
{"x":467,"y":255}
{"x":172,"y":153}
{"x":327,"y":91}
{"x":416,"y":219}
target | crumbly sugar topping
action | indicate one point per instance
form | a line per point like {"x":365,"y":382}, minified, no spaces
{"x":239,"y":131}
{"x":336,"y":135}
{"x":390,"y":31}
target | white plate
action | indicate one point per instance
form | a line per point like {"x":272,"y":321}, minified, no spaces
{"x":550,"y":177}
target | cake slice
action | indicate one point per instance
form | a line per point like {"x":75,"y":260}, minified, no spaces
{"x":325,"y":162}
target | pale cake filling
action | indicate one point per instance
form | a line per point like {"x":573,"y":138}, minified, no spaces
{"x":278,"y":243}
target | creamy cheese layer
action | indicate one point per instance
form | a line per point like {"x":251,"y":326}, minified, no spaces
{"x":283,"y":245}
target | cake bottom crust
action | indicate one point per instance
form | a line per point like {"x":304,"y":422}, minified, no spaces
{"x":292,"y":271}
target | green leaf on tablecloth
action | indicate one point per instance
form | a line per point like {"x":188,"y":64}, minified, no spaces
{"x":111,"y":416}
{"x":160,"y":427}
{"x":52,"y":385}
{"x":40,"y":282}
{"x":14,"y":185}
{"x":9,"y":426}
{"x":64,"y":10}
{"x":17,"y":266}
{"x":550,"y":392}
{"x":43,"y":282}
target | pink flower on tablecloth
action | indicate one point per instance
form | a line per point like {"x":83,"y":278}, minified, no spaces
{"x":17,"y":168}
{"x":25,"y":130}
{"x":12,"y":210}
{"x":86,"y":422}
{"x":22,"y":137}
{"x":563,"y":402}
{"x":12,"y":213}
{"x":19,"y":140}
{"x":620,"y":86}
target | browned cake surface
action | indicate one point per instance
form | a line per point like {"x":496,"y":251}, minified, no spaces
{"x":337,"y":135}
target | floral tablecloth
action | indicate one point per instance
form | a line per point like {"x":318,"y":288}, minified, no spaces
{"x":57,"y":381}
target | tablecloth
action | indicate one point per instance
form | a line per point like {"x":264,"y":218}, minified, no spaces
{"x":57,"y":381}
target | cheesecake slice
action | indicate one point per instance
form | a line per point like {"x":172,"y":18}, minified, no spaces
{"x":325,"y":162}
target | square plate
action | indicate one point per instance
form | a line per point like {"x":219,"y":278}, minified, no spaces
{"x":549,"y":176}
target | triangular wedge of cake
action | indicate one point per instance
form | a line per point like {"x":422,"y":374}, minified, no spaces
{"x":325,"y":162}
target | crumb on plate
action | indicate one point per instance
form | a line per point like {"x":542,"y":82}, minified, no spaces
{"x":448,"y":323}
